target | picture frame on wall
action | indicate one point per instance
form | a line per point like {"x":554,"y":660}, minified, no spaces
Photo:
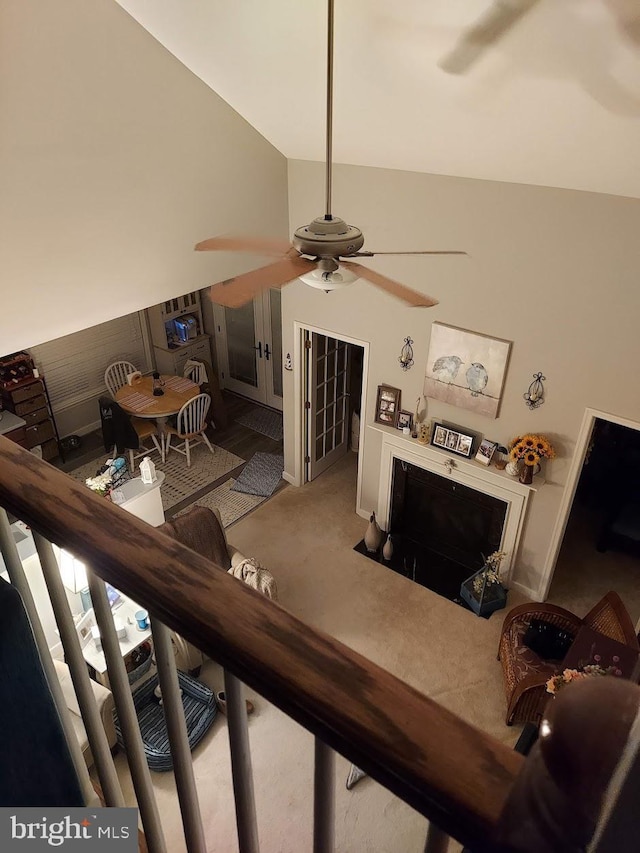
{"x":387,"y":405}
{"x":405,"y":419}
{"x":452,"y":440}
{"x":466,"y":369}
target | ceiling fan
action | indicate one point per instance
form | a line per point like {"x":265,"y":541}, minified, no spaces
{"x":320,"y":253}
{"x":495,"y":22}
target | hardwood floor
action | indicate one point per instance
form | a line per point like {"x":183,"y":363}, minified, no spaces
{"x":235,"y":437}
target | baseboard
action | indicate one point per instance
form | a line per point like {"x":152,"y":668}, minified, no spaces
{"x":530,"y":593}
{"x":289,"y":478}
{"x":87,"y":428}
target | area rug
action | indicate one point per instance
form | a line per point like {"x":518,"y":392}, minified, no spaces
{"x":180,"y":482}
{"x":264,"y":421}
{"x":261,"y":475}
{"x":231,"y":505}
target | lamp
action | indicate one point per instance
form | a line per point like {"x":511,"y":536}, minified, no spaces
{"x":326,"y":280}
{"x":74,"y":576}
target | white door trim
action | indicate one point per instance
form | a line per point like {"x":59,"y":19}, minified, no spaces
{"x":566,"y":504}
{"x":298,"y":398}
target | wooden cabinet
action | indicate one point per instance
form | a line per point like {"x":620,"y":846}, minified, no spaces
{"x":26,"y":396}
{"x":173,"y":360}
{"x":170,"y":355}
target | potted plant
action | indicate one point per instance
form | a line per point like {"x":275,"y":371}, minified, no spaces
{"x":483,"y":591}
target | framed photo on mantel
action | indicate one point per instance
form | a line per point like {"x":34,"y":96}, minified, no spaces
{"x":452,"y":440}
{"x":387,"y":405}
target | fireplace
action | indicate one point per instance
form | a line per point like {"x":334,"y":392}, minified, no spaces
{"x":441,"y":529}
{"x":445,"y":513}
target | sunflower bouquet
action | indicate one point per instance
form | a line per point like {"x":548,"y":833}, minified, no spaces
{"x":531,"y":449}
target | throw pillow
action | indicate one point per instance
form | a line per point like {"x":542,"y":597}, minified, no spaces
{"x":200,"y":530}
{"x":548,"y":641}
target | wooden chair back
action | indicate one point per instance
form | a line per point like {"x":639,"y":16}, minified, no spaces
{"x":115,"y":376}
{"x":192,"y":417}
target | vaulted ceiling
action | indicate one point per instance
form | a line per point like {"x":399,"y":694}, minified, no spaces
{"x":542,"y":92}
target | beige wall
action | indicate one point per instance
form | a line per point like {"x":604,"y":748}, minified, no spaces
{"x":115,"y":160}
{"x":556,"y":272}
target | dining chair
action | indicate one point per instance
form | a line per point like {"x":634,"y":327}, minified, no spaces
{"x":121,"y":432}
{"x":191,"y":423}
{"x":195,"y":371}
{"x":115,"y":376}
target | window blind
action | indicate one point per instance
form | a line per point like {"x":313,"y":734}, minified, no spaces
{"x":74,"y":365}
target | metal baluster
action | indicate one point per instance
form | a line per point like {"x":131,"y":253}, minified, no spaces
{"x":323,"y":798}
{"x":241,"y":765}
{"x":19,"y":580}
{"x":79,"y":674}
{"x":178,"y":738}
{"x":121,"y":690}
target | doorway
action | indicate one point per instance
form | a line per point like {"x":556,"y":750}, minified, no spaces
{"x":249,"y":348}
{"x":314,"y":412}
{"x":596,"y":544}
{"x":333,"y":400}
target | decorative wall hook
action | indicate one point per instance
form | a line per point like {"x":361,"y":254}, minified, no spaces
{"x":406,"y":354}
{"x":535,"y":395}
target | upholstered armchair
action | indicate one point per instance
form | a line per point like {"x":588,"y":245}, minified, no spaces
{"x":525,"y":673}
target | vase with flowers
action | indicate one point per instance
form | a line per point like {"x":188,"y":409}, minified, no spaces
{"x":530,"y":449}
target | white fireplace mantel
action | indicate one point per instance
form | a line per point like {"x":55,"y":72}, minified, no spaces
{"x":467,"y":472}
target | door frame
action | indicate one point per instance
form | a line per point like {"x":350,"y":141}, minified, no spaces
{"x":566,"y":504}
{"x":263,"y":393}
{"x":299,"y":388}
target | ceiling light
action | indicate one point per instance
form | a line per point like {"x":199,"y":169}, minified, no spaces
{"x":329,"y":280}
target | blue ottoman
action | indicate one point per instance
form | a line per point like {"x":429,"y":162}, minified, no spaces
{"x":199,"y":710}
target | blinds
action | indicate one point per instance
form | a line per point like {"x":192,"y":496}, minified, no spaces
{"x":74,"y":365}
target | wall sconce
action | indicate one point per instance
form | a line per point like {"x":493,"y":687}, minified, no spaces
{"x":406,"y":355}
{"x":534,"y":397}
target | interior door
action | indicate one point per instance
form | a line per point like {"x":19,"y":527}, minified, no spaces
{"x":327,"y":403}
{"x":249,"y":348}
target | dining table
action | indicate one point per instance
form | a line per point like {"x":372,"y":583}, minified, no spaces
{"x":139,"y":399}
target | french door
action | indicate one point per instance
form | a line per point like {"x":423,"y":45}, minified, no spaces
{"x":249,"y":348}
{"x":327,"y":402}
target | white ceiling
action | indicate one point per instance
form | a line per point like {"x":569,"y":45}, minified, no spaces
{"x":554,"y":101}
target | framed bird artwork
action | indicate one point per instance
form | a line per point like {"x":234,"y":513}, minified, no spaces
{"x":466,"y":369}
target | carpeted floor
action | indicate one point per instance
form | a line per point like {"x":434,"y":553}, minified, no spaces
{"x":180,"y":482}
{"x":265,"y":421}
{"x":305,"y":537}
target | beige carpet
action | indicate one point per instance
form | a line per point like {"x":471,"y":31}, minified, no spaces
{"x":306,"y":536}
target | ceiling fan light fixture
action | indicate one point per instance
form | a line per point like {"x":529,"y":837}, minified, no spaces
{"x":323,"y":280}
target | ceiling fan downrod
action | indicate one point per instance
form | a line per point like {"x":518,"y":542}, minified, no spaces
{"x":328,"y":155}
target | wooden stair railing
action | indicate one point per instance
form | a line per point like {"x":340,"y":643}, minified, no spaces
{"x":450,"y":772}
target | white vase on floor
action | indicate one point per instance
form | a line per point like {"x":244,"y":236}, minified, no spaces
{"x":387,"y":549}
{"x":373,"y":534}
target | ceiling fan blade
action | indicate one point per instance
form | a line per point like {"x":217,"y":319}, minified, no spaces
{"x":257,"y":245}
{"x":496,"y":21}
{"x":241,"y":289}
{"x":400,"y":291}
{"x":435,"y":252}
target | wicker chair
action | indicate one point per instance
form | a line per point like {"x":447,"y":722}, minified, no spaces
{"x":526,"y":674}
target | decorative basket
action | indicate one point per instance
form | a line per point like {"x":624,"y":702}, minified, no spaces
{"x":492,"y":596}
